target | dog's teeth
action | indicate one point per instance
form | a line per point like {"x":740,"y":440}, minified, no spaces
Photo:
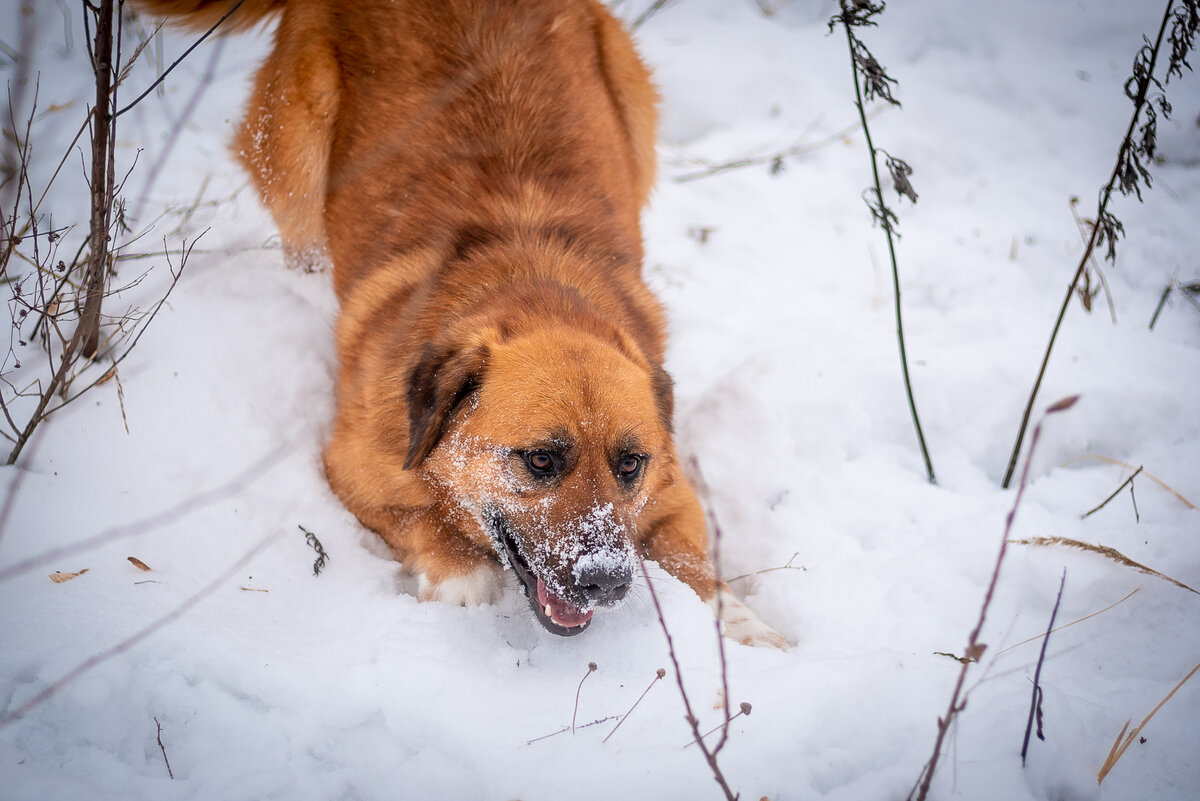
{"x":547,"y":611}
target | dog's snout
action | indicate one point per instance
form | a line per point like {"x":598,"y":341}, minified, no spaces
{"x":605,"y":583}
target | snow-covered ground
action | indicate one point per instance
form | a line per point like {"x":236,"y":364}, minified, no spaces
{"x":270,"y":683}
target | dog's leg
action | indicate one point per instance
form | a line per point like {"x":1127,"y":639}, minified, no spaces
{"x":678,"y":543}
{"x":285,"y":140}
{"x":483,"y":585}
{"x":448,"y":567}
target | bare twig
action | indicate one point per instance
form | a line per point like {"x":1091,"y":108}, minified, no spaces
{"x":743,"y":709}
{"x":1126,"y":174}
{"x":1085,"y":292}
{"x":566,"y":729}
{"x":860,"y":13}
{"x":692,"y":720}
{"x":1035,"y":703}
{"x":179,"y":60}
{"x":1128,"y":466}
{"x":786,"y":566}
{"x":103,"y":155}
{"x":170,"y":515}
{"x":163,"y":748}
{"x":575,"y":711}
{"x":975,"y":648}
{"x":1163,"y":300}
{"x":714,"y":526}
{"x":127,"y":643}
{"x":1125,"y":483}
{"x":658,"y":674}
{"x":655,"y":7}
{"x":777,"y":158}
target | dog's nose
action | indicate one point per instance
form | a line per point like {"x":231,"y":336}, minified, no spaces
{"x":604,"y":583}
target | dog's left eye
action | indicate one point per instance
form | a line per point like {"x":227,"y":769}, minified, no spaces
{"x":629,"y":466}
{"x":543,"y":463}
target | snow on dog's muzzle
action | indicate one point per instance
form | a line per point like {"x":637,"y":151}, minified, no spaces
{"x":600,"y":574}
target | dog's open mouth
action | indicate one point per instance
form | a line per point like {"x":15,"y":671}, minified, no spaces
{"x":556,"y":613}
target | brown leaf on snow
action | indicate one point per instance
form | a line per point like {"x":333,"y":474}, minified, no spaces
{"x":138,"y":563}
{"x":58,"y":577}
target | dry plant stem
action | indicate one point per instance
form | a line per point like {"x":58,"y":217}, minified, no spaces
{"x":176,"y":274}
{"x":1112,"y":554}
{"x":575,"y":710}
{"x":179,"y":60}
{"x":163,"y":748}
{"x":742,"y":711}
{"x":1120,"y":746}
{"x":1162,"y":302}
{"x":566,"y":729}
{"x":1036,"y":701}
{"x":137,"y":637}
{"x":147,"y":524}
{"x":1093,"y":241}
{"x":1072,"y":623}
{"x":714,"y":526}
{"x":887,"y":229}
{"x":975,"y":648}
{"x":709,"y":755}
{"x":1083,"y":236}
{"x":799,"y":149}
{"x":103,"y":154}
{"x":655,"y":7}
{"x":658,"y":675}
{"x":1104,"y":503}
{"x":1127,"y":466}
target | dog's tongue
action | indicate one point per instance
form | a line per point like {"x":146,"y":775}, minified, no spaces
{"x":558,"y":610}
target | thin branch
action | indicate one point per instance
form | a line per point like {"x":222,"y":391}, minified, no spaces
{"x":878,"y":84}
{"x":658,"y":674}
{"x":179,"y":60}
{"x":575,"y":711}
{"x":1104,"y":503}
{"x":975,"y":648}
{"x":171,"y":514}
{"x":1035,"y":704}
{"x":129,"y":642}
{"x":692,"y":720}
{"x":163,"y":748}
{"x":1105,"y":227}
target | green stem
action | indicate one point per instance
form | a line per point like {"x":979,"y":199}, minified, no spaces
{"x":887,"y":229}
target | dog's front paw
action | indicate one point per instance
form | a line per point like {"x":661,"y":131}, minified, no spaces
{"x":741,"y":625}
{"x":483,"y":585}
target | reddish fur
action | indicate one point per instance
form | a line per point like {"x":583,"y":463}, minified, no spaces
{"x":474,"y":169}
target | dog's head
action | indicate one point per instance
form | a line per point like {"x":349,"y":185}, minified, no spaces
{"x":553,"y":440}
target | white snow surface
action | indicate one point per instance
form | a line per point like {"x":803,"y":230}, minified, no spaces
{"x":270,"y":683}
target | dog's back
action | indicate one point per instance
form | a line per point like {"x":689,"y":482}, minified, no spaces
{"x":433,"y":122}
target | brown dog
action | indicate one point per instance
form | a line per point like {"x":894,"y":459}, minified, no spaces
{"x":475,"y":170}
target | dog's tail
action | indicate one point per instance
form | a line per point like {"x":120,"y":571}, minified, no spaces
{"x":203,"y":14}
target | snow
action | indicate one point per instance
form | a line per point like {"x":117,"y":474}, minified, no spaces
{"x":271,"y":683}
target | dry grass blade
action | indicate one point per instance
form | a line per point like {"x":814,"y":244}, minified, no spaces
{"x":1128,"y":466}
{"x":1065,"y":625}
{"x":1121,"y":746}
{"x":1111,"y":554}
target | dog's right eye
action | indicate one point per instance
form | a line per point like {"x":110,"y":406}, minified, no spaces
{"x":542,"y":463}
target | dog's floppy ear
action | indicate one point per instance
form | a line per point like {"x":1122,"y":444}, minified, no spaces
{"x":437,"y":385}
{"x":664,"y":397}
